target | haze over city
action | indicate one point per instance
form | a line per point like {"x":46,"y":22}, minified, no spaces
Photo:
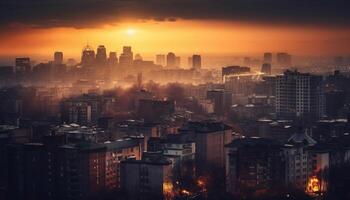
{"x":174,"y":99}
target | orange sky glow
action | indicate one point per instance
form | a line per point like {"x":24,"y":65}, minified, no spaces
{"x":182,"y":37}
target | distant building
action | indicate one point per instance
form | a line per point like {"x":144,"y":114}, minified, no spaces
{"x":58,"y":58}
{"x":299,"y":95}
{"x":254,"y":164}
{"x":101,"y":55}
{"x":268,"y":57}
{"x":88,"y":56}
{"x":218,"y":98}
{"x":233,"y":70}
{"x":266,"y":68}
{"x":76,"y":112}
{"x":23,"y":65}
{"x":127,"y":57}
{"x":196,"y":62}
{"x":160,"y":59}
{"x":171,"y":60}
{"x":149,"y":178}
{"x":284,"y":59}
{"x":112,"y":59}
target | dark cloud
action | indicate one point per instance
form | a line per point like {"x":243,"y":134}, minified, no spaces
{"x":84,"y":13}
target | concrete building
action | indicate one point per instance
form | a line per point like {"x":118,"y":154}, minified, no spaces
{"x":253,"y":164}
{"x":298,"y":162}
{"x":299,"y":95}
{"x":149,"y":178}
{"x":210,"y":137}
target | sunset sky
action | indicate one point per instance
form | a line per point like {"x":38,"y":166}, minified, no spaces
{"x":218,"y":27}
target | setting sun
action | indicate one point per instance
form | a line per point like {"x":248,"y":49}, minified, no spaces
{"x":130,"y":31}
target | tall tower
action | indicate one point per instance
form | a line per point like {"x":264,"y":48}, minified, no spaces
{"x":101,"y":55}
{"x":196,"y":62}
{"x":112,"y":59}
{"x":171,"y":60}
{"x":88,"y":56}
{"x":126,"y":58}
{"x":58,"y":58}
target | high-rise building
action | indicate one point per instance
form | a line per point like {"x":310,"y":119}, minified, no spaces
{"x":266,"y":68}
{"x":298,"y":161}
{"x":284,"y":59}
{"x":23,"y":65}
{"x":112,"y":59}
{"x":101,"y":55}
{"x":210,"y":138}
{"x":177,"y":61}
{"x":126,"y":58}
{"x":58,"y":58}
{"x":160,"y":59}
{"x":196,"y":62}
{"x":253,"y":164}
{"x":88,"y":56}
{"x":171,"y":60}
{"x":299,"y":95}
{"x":149,"y":178}
{"x":268,"y":57}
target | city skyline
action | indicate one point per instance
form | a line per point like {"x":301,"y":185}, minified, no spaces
{"x":312,"y":28}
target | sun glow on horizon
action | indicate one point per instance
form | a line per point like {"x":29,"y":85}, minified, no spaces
{"x":130,"y":31}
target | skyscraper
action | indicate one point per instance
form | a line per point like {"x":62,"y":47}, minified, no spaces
{"x":160,"y":59}
{"x":268,"y":57}
{"x":171,"y":60}
{"x":196,"y":62}
{"x":299,"y":95}
{"x":58,"y":58}
{"x":112,"y":59}
{"x":101,"y":55}
{"x":126,"y":58}
{"x":88,"y":56}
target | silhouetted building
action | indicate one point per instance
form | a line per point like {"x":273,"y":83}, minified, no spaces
{"x":160,"y":59}
{"x":76,"y":112}
{"x":268,"y":57}
{"x":254,"y":164}
{"x":112,"y":59}
{"x":284,"y":59}
{"x":127,"y":57}
{"x":23,"y":65}
{"x":58,"y":58}
{"x":218,"y":97}
{"x":101,"y":55}
{"x":196,"y":62}
{"x":299,"y":95}
{"x":88,"y":56}
{"x":171,"y":60}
